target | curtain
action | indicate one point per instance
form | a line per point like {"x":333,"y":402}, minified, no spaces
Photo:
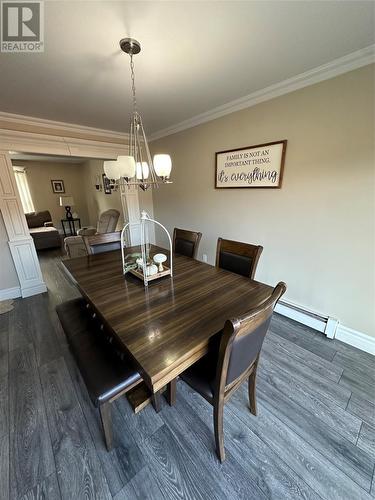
{"x":23,"y":189}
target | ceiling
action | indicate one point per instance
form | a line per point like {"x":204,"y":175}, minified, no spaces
{"x":195,"y":56}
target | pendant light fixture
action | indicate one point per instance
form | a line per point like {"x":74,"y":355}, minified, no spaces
{"x":138,"y":168}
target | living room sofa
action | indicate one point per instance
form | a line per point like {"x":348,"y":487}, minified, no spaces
{"x":44,"y":234}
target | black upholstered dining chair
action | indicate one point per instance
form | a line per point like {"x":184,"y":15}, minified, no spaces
{"x":107,"y":375}
{"x":240,"y":258}
{"x":186,"y":242}
{"x":221,"y":372}
{"x":106,"y":370}
{"x":100,"y":243}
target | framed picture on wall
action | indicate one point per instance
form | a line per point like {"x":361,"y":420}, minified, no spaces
{"x":106,"y":184}
{"x":259,"y":166}
{"x":58,"y":186}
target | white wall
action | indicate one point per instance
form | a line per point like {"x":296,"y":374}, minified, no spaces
{"x":318,"y":230}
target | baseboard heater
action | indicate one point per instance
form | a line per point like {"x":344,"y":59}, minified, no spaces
{"x":324,"y":324}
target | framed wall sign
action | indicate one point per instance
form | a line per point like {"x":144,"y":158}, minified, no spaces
{"x":258,"y":166}
{"x":106,"y":184}
{"x":58,"y":186}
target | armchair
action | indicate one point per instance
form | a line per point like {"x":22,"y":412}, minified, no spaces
{"x":106,"y":224}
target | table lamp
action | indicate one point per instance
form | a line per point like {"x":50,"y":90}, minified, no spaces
{"x":67,"y":202}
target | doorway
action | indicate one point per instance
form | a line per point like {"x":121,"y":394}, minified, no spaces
{"x":45,"y":182}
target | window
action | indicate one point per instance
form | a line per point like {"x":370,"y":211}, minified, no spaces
{"x":23,"y":189}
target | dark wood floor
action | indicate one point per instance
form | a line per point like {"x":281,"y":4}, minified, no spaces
{"x":313,"y":438}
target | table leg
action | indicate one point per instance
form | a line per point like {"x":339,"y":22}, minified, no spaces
{"x":171,"y":392}
{"x":140,"y":396}
{"x":156,"y":401}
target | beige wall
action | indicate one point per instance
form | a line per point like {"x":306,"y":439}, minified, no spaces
{"x":318,"y":230}
{"x":79,"y":180}
{"x":8,"y":275}
{"x":98,"y":201}
{"x":39,"y":176}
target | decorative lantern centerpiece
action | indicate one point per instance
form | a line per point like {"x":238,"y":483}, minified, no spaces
{"x":143,"y":264}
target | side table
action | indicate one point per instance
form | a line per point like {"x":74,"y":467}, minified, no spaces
{"x":69,"y":227}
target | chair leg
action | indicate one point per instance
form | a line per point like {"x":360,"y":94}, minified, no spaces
{"x":105,"y":416}
{"x":156,"y":401}
{"x":171,"y":392}
{"x":252,"y":392}
{"x":218,"y":426}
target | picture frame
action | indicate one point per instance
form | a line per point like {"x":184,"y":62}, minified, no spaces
{"x":259,"y":166}
{"x":58,"y":186}
{"x":106,"y":184}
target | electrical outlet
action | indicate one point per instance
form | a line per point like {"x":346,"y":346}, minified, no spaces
{"x":204,"y":257}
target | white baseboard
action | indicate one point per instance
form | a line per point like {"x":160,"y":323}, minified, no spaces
{"x":34,"y":290}
{"x":327,"y":325}
{"x":356,"y":339}
{"x":306,"y":319}
{"x":10,"y":293}
{"x":16,"y":291}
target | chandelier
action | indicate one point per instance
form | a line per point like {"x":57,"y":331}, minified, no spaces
{"x":138,"y":168}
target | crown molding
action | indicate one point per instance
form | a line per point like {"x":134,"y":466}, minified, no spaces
{"x":344,"y":64}
{"x":29,"y":142}
{"x":11,"y":121}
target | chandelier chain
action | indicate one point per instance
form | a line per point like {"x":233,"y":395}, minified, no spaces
{"x":133,"y":83}
{"x":138,"y":168}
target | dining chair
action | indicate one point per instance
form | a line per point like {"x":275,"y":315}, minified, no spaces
{"x":108,"y":373}
{"x":240,"y":258}
{"x":100,"y":243}
{"x":186,"y":242}
{"x":107,"y":376}
{"x":235,"y":358}
{"x":75,"y":246}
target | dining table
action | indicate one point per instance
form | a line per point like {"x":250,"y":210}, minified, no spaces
{"x":167,"y":326}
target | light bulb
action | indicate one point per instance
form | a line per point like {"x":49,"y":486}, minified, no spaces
{"x":162,"y":165}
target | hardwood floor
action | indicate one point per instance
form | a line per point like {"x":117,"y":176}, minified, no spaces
{"x":313,"y":437}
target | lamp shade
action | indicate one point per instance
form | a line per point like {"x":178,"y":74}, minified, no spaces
{"x":142,"y":170}
{"x":162,"y":165}
{"x":111,"y":169}
{"x":126,"y":166}
{"x":66,"y":201}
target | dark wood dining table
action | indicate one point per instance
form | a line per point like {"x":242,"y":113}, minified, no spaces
{"x":164,"y":327}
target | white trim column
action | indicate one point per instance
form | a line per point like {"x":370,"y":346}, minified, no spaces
{"x":21,"y":243}
{"x":131,"y":211}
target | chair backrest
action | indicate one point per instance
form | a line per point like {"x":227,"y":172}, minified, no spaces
{"x":186,"y":242}
{"x":100,"y":243}
{"x":242,"y":340}
{"x":240,"y":258}
{"x":37,"y":219}
{"x":87,"y":231}
{"x":108,"y":221}
{"x":75,"y":246}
